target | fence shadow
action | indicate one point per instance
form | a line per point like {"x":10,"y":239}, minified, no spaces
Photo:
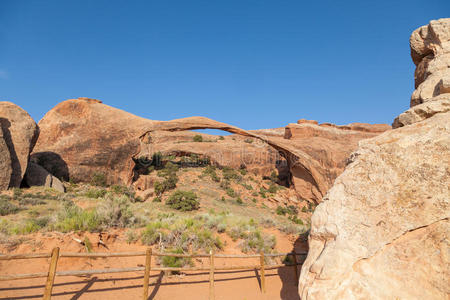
{"x":289,"y":289}
{"x":155,"y":284}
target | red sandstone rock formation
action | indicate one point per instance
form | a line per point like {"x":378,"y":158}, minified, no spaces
{"x":20,"y":133}
{"x":82,"y":137}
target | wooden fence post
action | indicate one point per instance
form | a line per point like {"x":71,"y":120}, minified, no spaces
{"x":148,"y":266}
{"x":294,"y":256}
{"x":263,"y":276}
{"x":51,"y":274}
{"x":211,"y":275}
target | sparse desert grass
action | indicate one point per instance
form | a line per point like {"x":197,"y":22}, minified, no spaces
{"x":181,"y":224}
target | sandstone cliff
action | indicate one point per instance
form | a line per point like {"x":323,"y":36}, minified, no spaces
{"x":382,"y":230}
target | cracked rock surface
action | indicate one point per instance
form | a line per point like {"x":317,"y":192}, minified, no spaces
{"x":382,"y":230}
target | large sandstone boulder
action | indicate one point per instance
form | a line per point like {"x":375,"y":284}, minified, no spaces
{"x":5,"y":164}
{"x":20,"y":133}
{"x":38,"y":176}
{"x":382,"y":231}
{"x":430,"y":51}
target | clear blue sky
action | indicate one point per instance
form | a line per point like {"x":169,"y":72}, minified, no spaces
{"x":254,"y":64}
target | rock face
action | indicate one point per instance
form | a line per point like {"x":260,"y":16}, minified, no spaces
{"x":20,"y":133}
{"x":382,"y":230}
{"x":5,"y":164}
{"x":329,"y":147}
{"x":38,"y":176}
{"x":430,"y":51}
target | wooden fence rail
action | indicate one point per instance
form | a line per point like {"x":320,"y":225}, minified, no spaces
{"x":55,"y":255}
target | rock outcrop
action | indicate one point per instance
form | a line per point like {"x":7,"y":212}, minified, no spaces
{"x":38,"y":176}
{"x":5,"y":164}
{"x":430,"y":51}
{"x":81,"y":137}
{"x":382,"y":230}
{"x":20,"y":133}
{"x":328,"y":146}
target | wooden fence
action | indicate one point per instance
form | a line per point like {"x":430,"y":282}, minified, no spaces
{"x":55,"y":255}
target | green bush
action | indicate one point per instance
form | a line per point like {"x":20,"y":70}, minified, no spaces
{"x":156,"y":160}
{"x":248,"y":141}
{"x":221,"y":138}
{"x":230,"y":174}
{"x":176,"y":262}
{"x":197,"y":138}
{"x":157,"y":199}
{"x":239,"y":201}
{"x":211,"y":172}
{"x":183,"y":201}
{"x":98,"y":179}
{"x":230,"y":192}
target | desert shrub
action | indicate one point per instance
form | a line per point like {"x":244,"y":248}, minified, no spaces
{"x":7,"y":208}
{"x":247,"y":186}
{"x":197,"y":138}
{"x":222,"y":199}
{"x":221,"y":138}
{"x":239,"y":201}
{"x":290,"y":210}
{"x":151,"y":233}
{"x":211,"y":172}
{"x":248,"y":141}
{"x":273,"y":188}
{"x":183,"y":201}
{"x":229,"y":174}
{"x":132,"y":236}
{"x":254,"y":200}
{"x":230,"y":192}
{"x":262,"y":192}
{"x":274,"y":176}
{"x":221,"y":227}
{"x":31,"y":201}
{"x":95,"y":193}
{"x":304,"y":209}
{"x":296,"y":220}
{"x":255,"y":241}
{"x":17,"y":193}
{"x":116,"y":212}
{"x":157,"y":159}
{"x":98,"y":179}
{"x":176,"y":262}
{"x":224,"y":184}
{"x":125,"y":191}
{"x":157,"y":199}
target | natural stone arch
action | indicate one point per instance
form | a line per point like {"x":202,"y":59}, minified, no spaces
{"x":297,"y":160}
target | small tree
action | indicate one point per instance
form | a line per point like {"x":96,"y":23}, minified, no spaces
{"x":183,"y":201}
{"x":197,"y":138}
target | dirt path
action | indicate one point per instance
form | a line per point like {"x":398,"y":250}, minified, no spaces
{"x":228,"y":285}
{"x":280,"y":283}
